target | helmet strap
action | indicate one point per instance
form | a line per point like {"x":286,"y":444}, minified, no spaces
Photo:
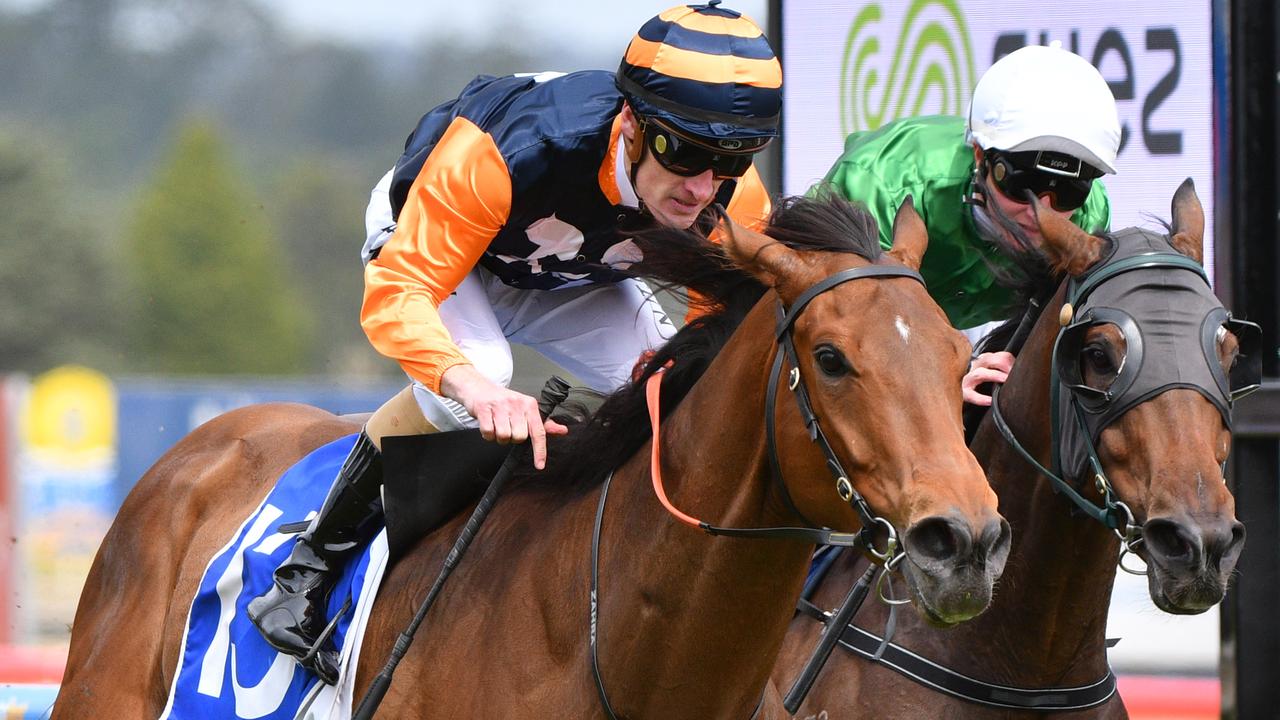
{"x":976,"y":185}
{"x":635,"y":153}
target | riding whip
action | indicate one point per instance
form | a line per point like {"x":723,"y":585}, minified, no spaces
{"x":835,"y":628}
{"x":553,"y":393}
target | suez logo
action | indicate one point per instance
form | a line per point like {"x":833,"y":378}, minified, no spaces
{"x":1112,"y":43}
{"x":925,"y":65}
{"x":932,"y":58}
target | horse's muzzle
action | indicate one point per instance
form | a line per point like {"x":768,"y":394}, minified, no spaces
{"x":1189,"y":562}
{"x":951,"y":569}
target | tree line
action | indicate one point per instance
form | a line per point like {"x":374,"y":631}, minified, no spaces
{"x":182,"y":183}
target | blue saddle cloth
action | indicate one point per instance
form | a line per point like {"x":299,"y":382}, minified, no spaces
{"x":226,"y":669}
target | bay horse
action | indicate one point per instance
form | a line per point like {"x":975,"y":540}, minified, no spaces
{"x":677,"y":622}
{"x":1159,"y":462}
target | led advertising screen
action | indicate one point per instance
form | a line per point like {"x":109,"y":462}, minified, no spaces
{"x":851,"y":65}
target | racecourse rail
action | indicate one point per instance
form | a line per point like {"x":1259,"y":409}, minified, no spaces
{"x":29,"y":683}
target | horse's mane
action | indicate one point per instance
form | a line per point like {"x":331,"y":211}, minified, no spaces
{"x":685,"y":258}
{"x":1031,"y":277}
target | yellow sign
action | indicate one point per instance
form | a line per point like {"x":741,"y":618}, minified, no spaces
{"x":70,"y":417}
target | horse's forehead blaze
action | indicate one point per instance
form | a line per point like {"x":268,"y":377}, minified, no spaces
{"x":904,"y":330}
{"x":881,"y":326}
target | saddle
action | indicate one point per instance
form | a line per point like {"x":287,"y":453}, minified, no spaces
{"x":428,"y":479}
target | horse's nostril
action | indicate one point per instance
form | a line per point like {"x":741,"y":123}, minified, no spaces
{"x":1168,"y":539}
{"x":1237,"y":533}
{"x":995,"y":540}
{"x":938,"y":538}
{"x":1224,"y":547}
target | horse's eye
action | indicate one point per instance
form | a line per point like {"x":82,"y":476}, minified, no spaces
{"x":1228,"y":349}
{"x":830,"y":361}
{"x":1098,"y":359}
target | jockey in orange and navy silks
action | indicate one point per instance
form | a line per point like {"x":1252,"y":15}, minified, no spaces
{"x":524,"y":177}
{"x":504,"y":221}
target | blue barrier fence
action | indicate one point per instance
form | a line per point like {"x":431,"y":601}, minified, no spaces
{"x":26,"y":702}
{"x":155,"y":414}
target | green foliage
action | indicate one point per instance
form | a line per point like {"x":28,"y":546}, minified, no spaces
{"x":315,"y":123}
{"x":318,"y":207}
{"x":55,"y":294}
{"x":210,"y":290}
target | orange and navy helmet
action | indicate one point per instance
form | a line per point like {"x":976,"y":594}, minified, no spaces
{"x":706,"y":72}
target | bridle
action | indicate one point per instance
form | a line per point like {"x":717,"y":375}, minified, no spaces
{"x":1111,"y":512}
{"x":843,"y":486}
{"x":1085,"y":402}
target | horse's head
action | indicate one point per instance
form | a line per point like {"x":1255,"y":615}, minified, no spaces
{"x":1147,"y":365}
{"x":880,"y":366}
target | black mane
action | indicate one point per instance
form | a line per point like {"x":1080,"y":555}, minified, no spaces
{"x":1032,"y":279}
{"x":686,"y":259}
{"x":1029,"y":276}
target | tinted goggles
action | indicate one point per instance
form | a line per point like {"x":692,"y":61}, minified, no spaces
{"x":1064,"y":180}
{"x":684,"y":156}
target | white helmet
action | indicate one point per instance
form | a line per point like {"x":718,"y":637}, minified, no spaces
{"x":1046,"y":98}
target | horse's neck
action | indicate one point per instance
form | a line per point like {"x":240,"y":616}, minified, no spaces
{"x":1048,"y":618}
{"x":691,"y":620}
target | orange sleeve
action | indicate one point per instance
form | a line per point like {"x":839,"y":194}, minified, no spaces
{"x":750,"y":207}
{"x":455,"y":207}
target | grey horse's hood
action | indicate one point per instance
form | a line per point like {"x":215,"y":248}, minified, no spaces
{"x":1171,"y":320}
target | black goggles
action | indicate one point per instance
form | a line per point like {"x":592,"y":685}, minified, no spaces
{"x":1063,"y":179}
{"x":685,"y":156}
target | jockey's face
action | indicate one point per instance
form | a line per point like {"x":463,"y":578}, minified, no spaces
{"x":673,"y":200}
{"x":1021,"y":213}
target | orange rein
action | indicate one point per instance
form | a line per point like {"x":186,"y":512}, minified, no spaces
{"x":652,"y":392}
{"x":818,"y":536}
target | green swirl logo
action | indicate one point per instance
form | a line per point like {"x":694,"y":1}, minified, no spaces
{"x":932,"y":58}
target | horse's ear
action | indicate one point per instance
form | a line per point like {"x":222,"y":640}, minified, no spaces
{"x":757,"y":253}
{"x":910,"y":236}
{"x":1068,"y":248}
{"x":1187,"y":233}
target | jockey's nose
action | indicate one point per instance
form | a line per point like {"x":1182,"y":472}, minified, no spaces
{"x":702,"y":186}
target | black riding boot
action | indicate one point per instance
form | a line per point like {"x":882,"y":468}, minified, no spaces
{"x":291,"y":615}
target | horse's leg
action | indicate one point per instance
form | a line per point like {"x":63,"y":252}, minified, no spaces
{"x":116,"y":668}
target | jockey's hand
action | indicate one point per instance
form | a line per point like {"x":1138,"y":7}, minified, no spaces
{"x":505,"y":416}
{"x":986,"y":368}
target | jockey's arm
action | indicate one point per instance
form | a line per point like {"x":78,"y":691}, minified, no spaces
{"x":456,"y":205}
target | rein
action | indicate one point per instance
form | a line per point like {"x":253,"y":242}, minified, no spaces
{"x":844,"y":488}
{"x":818,"y":536}
{"x":945,"y":680}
